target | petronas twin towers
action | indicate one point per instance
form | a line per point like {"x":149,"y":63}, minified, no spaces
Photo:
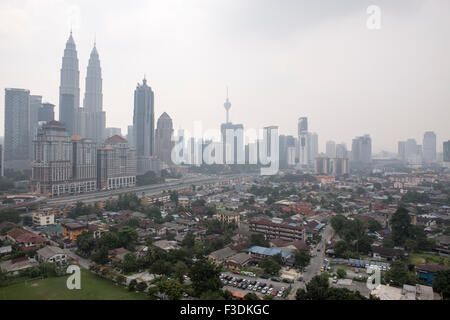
{"x":88,"y":121}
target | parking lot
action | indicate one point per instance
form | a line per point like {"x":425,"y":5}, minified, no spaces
{"x":259,"y":286}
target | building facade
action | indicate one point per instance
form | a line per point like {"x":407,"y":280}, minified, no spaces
{"x":163,"y":138}
{"x":17,"y":128}
{"x":69,"y":90}
{"x":116,"y":164}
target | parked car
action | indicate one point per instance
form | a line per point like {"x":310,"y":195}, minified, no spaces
{"x":276,"y":279}
{"x":264,"y":276}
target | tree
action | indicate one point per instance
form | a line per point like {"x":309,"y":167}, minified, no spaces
{"x":318,"y":289}
{"x":141,"y":286}
{"x":258,"y":239}
{"x":128,"y":236}
{"x":340,"y":248}
{"x":399,"y":275}
{"x":101,"y":256}
{"x":86,"y":243}
{"x":129,"y":263}
{"x":270,"y":266}
{"x":374,"y":225}
{"x":109,"y":240}
{"x":441,"y":283}
{"x":251,"y":296}
{"x":205,"y":277}
{"x":172,"y":288}
{"x":341,"y":273}
{"x":121,"y":279}
{"x":302,"y":259}
{"x":132,"y":285}
{"x":188,"y":240}
{"x":401,"y":226}
{"x":338,"y":222}
{"x":180,"y":269}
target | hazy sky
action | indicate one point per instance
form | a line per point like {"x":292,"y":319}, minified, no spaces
{"x":281,"y":60}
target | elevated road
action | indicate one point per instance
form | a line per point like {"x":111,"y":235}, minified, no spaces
{"x":147,"y":190}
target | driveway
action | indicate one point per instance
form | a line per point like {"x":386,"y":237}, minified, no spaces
{"x":83,"y":262}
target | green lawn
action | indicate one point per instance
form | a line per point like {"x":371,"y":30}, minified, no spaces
{"x":92,"y":288}
{"x":418,"y":258}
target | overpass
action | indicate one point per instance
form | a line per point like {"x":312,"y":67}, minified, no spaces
{"x":147,"y":190}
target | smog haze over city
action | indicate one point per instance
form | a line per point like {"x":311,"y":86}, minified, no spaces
{"x":214,"y":152}
{"x":280,"y":60}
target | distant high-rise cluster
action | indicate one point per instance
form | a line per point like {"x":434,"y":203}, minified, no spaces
{"x":413,"y":154}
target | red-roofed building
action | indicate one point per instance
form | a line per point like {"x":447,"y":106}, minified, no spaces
{"x":25,"y":238}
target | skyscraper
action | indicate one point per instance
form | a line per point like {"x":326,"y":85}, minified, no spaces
{"x":429,"y":147}
{"x":341,"y":150}
{"x":362,"y":149}
{"x":94,"y":116}
{"x":46,"y":113}
{"x":144,"y":125}
{"x":143,"y":119}
{"x":446,"y":149}
{"x":69,"y":89}
{"x":163,"y":138}
{"x":303,"y":141}
{"x":331,"y":149}
{"x":401,"y":150}
{"x":17,"y":128}
{"x":313,"y":147}
{"x":35,"y":106}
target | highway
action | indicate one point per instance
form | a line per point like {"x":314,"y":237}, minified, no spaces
{"x":147,"y":190}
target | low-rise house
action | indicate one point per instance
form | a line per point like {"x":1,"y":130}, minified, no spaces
{"x":219,"y":256}
{"x":389,"y":254}
{"x":443,"y":245}
{"x":71,"y":230}
{"x":238,"y":260}
{"x":25,"y":238}
{"x":258,"y":253}
{"x":166,"y":245}
{"x":52,"y":254}
{"x":4,"y":251}
{"x":14,"y":266}
{"x":117,"y":255}
{"x":427,"y":272}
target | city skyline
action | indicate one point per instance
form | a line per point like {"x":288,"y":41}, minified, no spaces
{"x":414,"y":108}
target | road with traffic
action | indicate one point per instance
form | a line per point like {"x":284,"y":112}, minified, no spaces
{"x":317,"y":261}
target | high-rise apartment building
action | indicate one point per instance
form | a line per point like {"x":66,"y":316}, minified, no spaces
{"x":52,"y":163}
{"x":46,"y":112}
{"x":17,"y":129}
{"x":330,"y":149}
{"x":446,"y":149}
{"x":163,"y":138}
{"x":362,"y":149}
{"x":144,"y":126}
{"x":116,"y":164}
{"x":429,"y":147}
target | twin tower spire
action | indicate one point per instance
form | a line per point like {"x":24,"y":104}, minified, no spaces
{"x":88,"y":120}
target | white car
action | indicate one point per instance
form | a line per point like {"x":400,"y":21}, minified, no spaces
{"x":279,"y":294}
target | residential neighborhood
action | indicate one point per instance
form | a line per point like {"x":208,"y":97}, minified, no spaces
{"x":257,"y":237}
